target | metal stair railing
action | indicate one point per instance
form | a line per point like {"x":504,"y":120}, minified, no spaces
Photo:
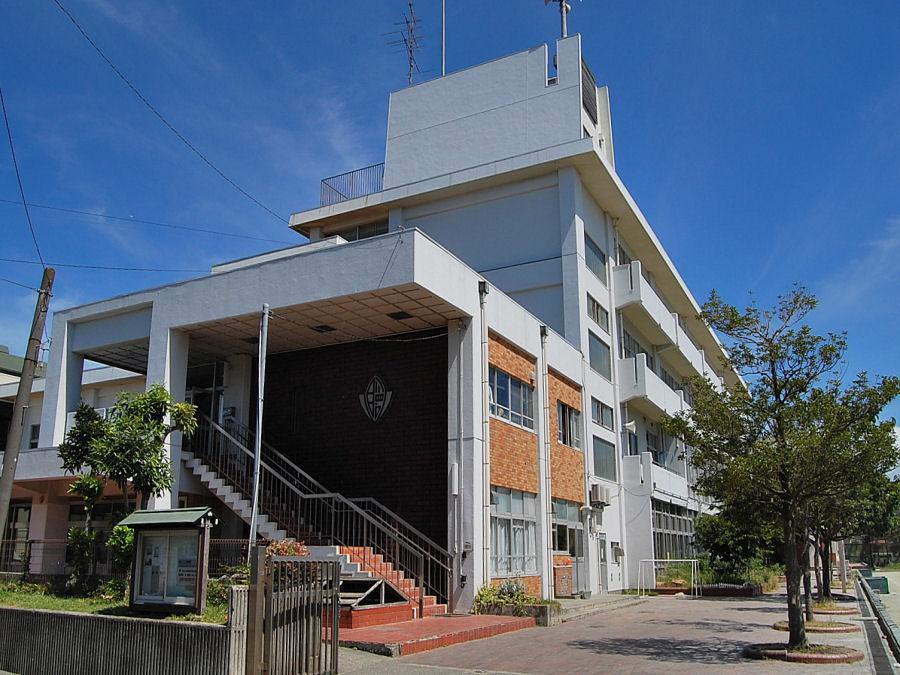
{"x":319,"y":516}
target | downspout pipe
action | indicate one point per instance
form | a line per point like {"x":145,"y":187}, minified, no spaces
{"x":547,"y":449}
{"x":483,"y":290}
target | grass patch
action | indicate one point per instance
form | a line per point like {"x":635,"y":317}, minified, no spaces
{"x":825,"y":604}
{"x":25,"y":595}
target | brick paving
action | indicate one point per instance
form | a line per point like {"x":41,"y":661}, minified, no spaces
{"x":666,"y":634}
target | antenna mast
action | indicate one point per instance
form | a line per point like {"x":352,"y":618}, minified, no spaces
{"x":564,"y":9}
{"x":409,"y":40}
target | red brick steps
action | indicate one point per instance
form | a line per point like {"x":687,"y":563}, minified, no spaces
{"x":411,"y":637}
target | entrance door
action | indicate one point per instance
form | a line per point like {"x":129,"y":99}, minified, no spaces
{"x":603,"y":574}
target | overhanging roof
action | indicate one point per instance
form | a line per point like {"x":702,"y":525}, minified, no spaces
{"x":167,"y":517}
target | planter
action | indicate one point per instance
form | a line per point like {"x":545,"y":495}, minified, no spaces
{"x":835,"y":627}
{"x":819,"y":654}
{"x":543,"y":615}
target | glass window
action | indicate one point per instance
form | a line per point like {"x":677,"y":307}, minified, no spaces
{"x":568,"y":425}
{"x":631,"y":348}
{"x":597,"y":313}
{"x":567,"y":528}
{"x":511,"y":399}
{"x":604,"y":459}
{"x":602,"y":414}
{"x":599,"y":356}
{"x":34,"y":435}
{"x":624,"y":258}
{"x":513,"y":532}
{"x":595,"y":258}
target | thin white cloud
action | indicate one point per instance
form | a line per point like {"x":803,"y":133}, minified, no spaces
{"x":874,"y":270}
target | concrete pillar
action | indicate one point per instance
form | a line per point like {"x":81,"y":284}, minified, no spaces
{"x":238,"y":392}
{"x":62,"y":391}
{"x":167,"y":365}
{"x":48,"y":526}
{"x":464,"y":446}
{"x":572,"y":237}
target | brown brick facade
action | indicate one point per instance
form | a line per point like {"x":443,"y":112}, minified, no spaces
{"x":532,"y":584}
{"x":566,"y":464}
{"x":514,"y":450}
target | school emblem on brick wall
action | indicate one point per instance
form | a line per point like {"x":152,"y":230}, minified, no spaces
{"x":376,"y":399}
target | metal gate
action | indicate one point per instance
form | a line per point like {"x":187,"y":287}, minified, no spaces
{"x":300,"y":614}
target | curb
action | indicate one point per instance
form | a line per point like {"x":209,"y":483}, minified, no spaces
{"x":842,"y":627}
{"x":782,"y":654}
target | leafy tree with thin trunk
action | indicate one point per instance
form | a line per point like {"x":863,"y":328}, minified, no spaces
{"x":794,"y":435}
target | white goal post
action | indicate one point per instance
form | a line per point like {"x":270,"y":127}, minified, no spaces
{"x":647,"y":578}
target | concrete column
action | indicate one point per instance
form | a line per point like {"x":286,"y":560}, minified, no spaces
{"x":238,"y":386}
{"x":572,"y":237}
{"x":395,"y":219}
{"x":62,"y":391}
{"x":167,"y":365}
{"x":464,"y":435}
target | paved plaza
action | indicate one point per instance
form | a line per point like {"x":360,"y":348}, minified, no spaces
{"x":665,"y":634}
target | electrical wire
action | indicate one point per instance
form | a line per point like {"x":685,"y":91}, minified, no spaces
{"x":16,"y":283}
{"x":12,"y":151}
{"x":154,"y":223}
{"x":143,"y":99}
{"x":104,"y":267}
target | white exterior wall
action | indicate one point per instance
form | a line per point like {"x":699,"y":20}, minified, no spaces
{"x":492,"y":111}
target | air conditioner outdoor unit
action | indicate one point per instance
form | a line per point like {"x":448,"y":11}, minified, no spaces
{"x":600,"y":496}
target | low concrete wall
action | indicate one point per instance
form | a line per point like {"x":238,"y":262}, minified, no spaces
{"x":70,"y":643}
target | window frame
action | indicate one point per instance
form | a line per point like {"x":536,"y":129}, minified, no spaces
{"x":34,"y":436}
{"x":525,"y":523}
{"x":598,"y":414}
{"x":568,"y":426}
{"x":611,"y":459}
{"x":514,"y":391}
{"x":593,"y":337}
{"x":593,"y":250}
{"x":596,"y":312}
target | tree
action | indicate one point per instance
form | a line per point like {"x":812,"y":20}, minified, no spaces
{"x":794,"y":435}
{"x":734,"y":540}
{"x":129,"y":445}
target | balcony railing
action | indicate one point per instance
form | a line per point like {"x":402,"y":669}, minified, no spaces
{"x":352,"y":184}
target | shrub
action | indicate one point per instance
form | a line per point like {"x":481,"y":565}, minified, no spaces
{"x":287,"y":548}
{"x":114,"y":589}
{"x":510,"y":592}
{"x":217,"y":591}
{"x":121,"y":547}
{"x":80,"y":552}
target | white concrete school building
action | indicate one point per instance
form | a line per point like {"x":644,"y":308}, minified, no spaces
{"x":472,"y":353}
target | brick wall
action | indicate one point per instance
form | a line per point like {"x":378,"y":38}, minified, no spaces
{"x":532,"y":584}
{"x":514,"y":450}
{"x":566,"y":463}
{"x":314,"y":416}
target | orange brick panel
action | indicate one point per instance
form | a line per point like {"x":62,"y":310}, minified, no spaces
{"x":514,"y":457}
{"x":566,"y":464}
{"x":510,"y":359}
{"x":532,"y":584}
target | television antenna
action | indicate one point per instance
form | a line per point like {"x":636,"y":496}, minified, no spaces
{"x":407,"y":39}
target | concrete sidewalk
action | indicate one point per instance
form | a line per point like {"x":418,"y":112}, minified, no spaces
{"x":665,"y":634}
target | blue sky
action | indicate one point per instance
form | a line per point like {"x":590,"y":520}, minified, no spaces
{"x":761,"y":139}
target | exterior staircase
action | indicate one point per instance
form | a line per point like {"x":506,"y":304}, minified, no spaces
{"x":390,"y":571}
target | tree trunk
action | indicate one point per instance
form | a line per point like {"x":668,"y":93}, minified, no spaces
{"x":793,"y":575}
{"x":817,"y":556}
{"x":826,"y":568}
{"x":807,"y":594}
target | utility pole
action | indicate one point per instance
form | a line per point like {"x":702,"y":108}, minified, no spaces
{"x":257,"y":442}
{"x":23,"y":396}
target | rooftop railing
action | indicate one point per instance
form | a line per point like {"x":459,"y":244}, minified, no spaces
{"x":352,"y":184}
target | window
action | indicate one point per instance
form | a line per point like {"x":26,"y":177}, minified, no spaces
{"x":673,"y":530}
{"x":601,"y":414}
{"x":567,"y":528}
{"x":654,"y":445}
{"x":604,"y":459}
{"x":669,"y":379}
{"x":595,"y":258}
{"x":513,"y":532}
{"x":568,"y":425}
{"x":598,"y":354}
{"x":34,"y":435}
{"x":365,"y":231}
{"x":624,"y":258}
{"x":631,"y":348}
{"x":511,"y":399}
{"x":598,"y":315}
{"x":631,"y":441}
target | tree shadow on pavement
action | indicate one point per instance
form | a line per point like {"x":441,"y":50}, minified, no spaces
{"x":713,"y":626}
{"x":667,"y":649}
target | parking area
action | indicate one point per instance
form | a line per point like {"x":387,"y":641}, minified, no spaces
{"x":665,"y":634}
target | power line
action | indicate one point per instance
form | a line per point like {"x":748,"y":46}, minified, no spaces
{"x":16,"y":283}
{"x":162,"y":118}
{"x":103,"y":267}
{"x":154,"y":223}
{"x":12,"y":151}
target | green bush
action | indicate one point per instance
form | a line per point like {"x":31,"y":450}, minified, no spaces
{"x":121,"y":547}
{"x":510,"y":592}
{"x":217,"y":591}
{"x":114,"y":589}
{"x":80,"y":545}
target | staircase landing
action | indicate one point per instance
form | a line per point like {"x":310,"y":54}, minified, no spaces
{"x":431,"y":632}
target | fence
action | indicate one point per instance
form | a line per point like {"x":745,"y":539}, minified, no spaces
{"x":72,"y":643}
{"x":293,"y":615}
{"x":48,"y":557}
{"x":352,"y":184}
